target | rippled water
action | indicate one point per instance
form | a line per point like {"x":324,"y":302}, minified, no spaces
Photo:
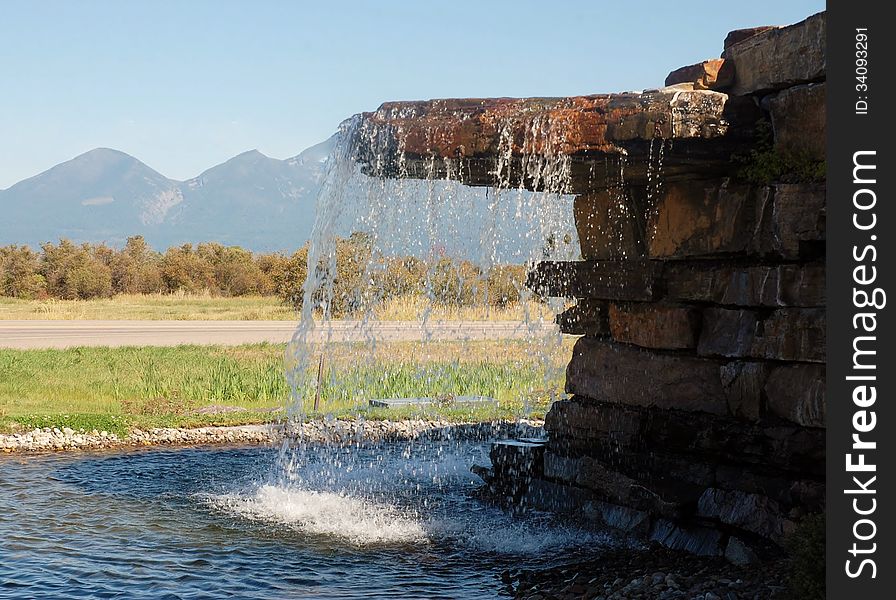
{"x":395,"y":521}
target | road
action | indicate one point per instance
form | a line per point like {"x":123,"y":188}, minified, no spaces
{"x":67,"y":334}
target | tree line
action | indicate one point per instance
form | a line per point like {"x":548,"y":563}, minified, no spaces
{"x":68,"y":271}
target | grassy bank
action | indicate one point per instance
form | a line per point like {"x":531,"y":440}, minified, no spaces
{"x":191,"y":307}
{"x":119,"y":388}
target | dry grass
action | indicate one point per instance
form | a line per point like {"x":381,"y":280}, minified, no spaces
{"x":178,"y":306}
{"x":192,"y":307}
{"x":416,"y":308}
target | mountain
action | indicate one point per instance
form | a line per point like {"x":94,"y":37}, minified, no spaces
{"x":251,"y":200}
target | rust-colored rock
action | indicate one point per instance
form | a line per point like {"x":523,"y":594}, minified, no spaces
{"x":704,"y":75}
{"x":494,"y":140}
{"x":799,"y":115}
{"x":655,"y":325}
{"x":549,"y":126}
{"x":778,"y":58}
{"x":693,"y":219}
{"x":607,"y":224}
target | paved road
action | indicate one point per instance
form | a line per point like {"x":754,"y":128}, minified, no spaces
{"x":65,"y":334}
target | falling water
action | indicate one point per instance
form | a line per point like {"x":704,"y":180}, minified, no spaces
{"x":417,"y":210}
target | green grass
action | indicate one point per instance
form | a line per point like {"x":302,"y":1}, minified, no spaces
{"x":116,"y":389}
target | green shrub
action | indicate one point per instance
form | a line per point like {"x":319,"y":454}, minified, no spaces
{"x":764,"y":164}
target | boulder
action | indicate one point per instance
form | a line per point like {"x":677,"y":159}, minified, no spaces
{"x":703,"y":75}
{"x":654,"y":325}
{"x":797,"y":393}
{"x":778,"y":58}
{"x":798,"y":116}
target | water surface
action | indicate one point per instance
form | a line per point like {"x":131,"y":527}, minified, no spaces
{"x":395,"y":521}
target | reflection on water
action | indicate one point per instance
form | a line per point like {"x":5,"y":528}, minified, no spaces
{"x":395,"y":521}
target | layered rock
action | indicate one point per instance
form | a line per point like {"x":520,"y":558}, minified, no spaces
{"x":696,"y":412}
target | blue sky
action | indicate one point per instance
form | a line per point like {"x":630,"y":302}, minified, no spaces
{"x":184,"y":85}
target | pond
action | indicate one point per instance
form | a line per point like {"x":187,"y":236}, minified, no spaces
{"x":396,"y":520}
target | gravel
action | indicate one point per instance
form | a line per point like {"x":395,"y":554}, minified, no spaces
{"x":320,"y":431}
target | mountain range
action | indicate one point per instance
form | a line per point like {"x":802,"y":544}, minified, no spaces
{"x":105,"y":195}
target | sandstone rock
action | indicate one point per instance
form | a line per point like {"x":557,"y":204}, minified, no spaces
{"x":606,"y":221}
{"x":614,"y":425}
{"x":789,"y":448}
{"x":798,"y":116}
{"x":799,"y":219}
{"x":465,"y":135}
{"x":751,"y":512}
{"x":548,"y":495}
{"x":739,"y":35}
{"x":586,"y":317}
{"x":695,"y":219}
{"x":614,"y":373}
{"x":792,"y":334}
{"x":608,"y":279}
{"x":704,"y":75}
{"x":655,"y":325}
{"x":607,"y":484}
{"x":797,"y":393}
{"x":778,"y":58}
{"x":619,"y":517}
{"x":782,"y":285}
{"x":784,"y":334}
{"x":727,"y":332}
{"x":744,"y":382}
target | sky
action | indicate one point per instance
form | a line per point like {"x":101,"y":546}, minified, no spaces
{"x":185,"y":85}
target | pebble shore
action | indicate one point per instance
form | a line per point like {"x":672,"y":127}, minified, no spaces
{"x":319,"y":431}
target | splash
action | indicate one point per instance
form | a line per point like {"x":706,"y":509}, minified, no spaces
{"x":353,"y":520}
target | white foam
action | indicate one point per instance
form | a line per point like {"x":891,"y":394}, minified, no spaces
{"x":357,"y":521}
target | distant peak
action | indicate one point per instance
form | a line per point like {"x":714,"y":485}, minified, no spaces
{"x":254,"y":153}
{"x":104,"y":155}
